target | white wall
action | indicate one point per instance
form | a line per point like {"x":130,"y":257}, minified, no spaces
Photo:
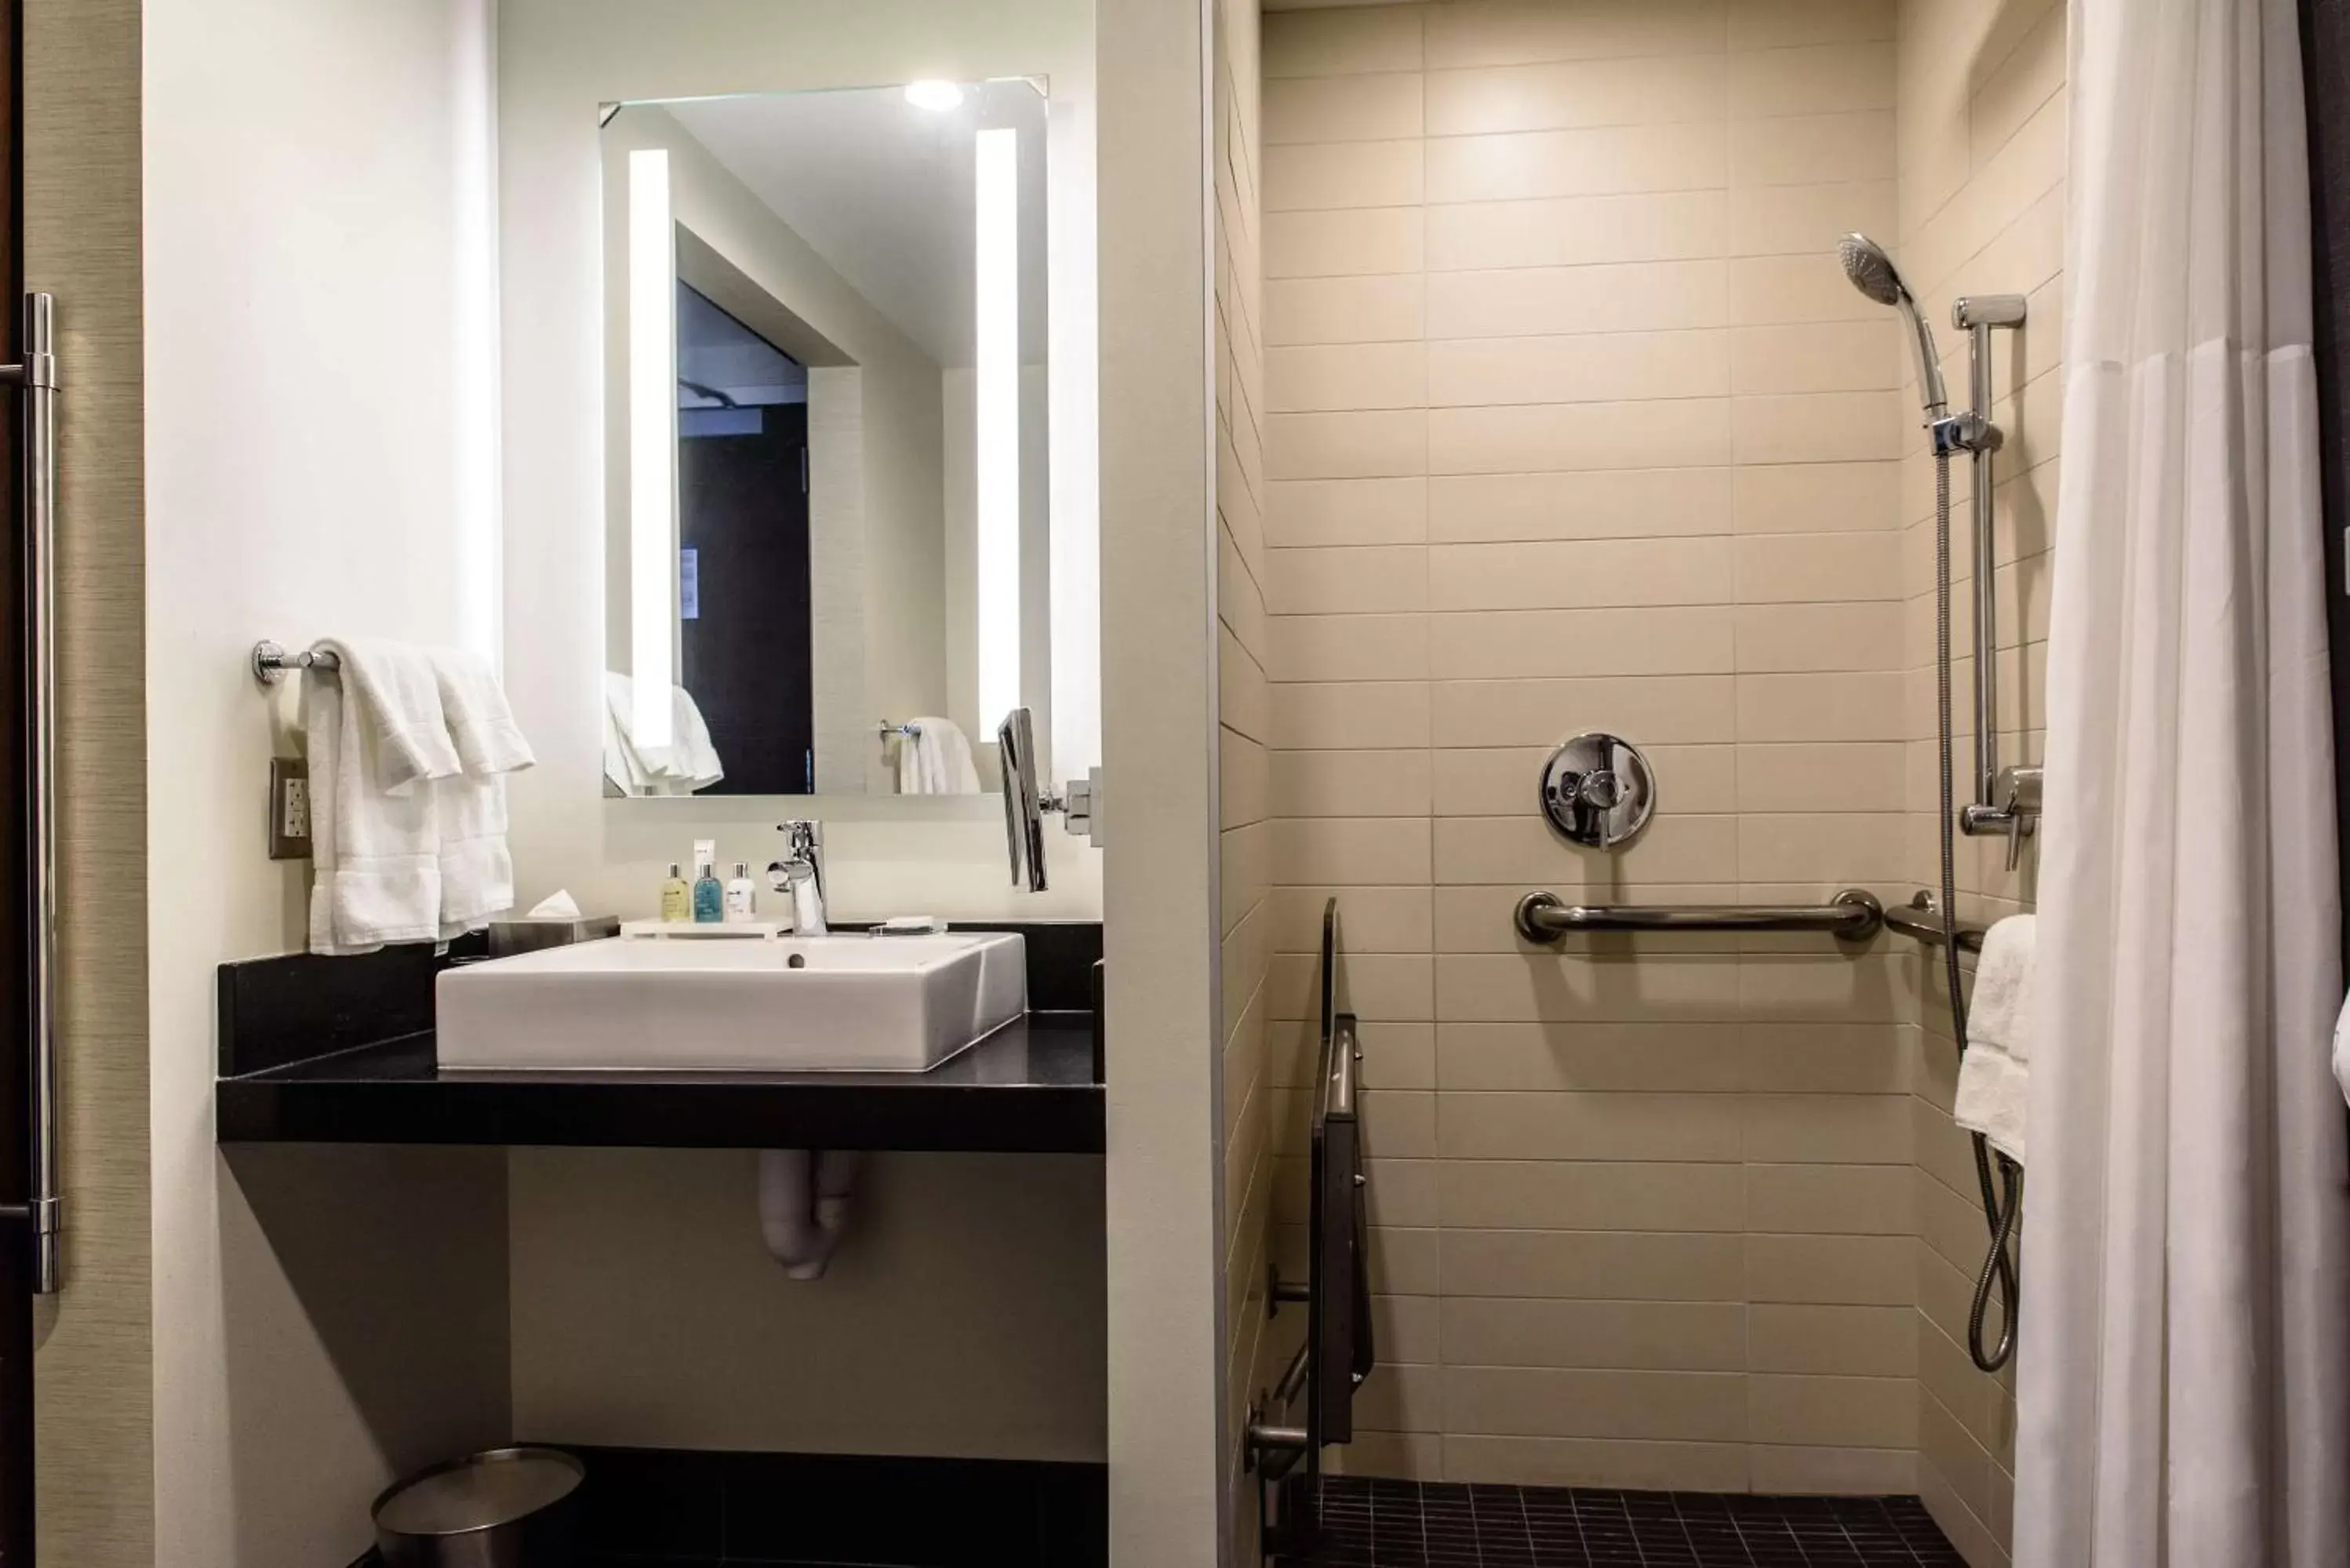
{"x":1159,"y":723}
{"x":558,"y":62}
{"x":316,"y":255}
{"x":927,"y":1264}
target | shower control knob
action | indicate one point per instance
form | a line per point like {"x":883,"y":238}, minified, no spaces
{"x":1597,"y":790}
{"x":1601,"y":791}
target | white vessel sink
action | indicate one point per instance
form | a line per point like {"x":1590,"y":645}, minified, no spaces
{"x":793,"y":1005}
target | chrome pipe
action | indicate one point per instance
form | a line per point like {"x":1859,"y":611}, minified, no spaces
{"x":1853,"y":915}
{"x":1293,"y":1379}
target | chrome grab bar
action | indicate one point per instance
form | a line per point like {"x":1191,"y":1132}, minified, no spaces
{"x":37,"y":377}
{"x":1919,"y":921}
{"x":1853,"y":915}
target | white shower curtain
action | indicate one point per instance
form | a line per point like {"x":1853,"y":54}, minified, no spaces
{"x":2184,"y":1369}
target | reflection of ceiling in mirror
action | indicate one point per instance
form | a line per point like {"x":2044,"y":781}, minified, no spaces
{"x":721,"y":362}
{"x":882,"y":190}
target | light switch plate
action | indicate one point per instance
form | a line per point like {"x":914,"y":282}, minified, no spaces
{"x":290,"y":808}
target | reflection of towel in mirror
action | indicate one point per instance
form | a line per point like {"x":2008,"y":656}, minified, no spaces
{"x":936,"y":760}
{"x":687,"y":764}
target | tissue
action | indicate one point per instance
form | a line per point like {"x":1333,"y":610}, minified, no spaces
{"x":556,"y":906}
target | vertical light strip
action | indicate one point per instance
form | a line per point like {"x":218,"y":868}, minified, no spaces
{"x":996,"y":393}
{"x":473,"y":409}
{"x":652,"y":447}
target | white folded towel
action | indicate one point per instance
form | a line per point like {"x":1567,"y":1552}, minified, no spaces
{"x":476,"y":867}
{"x":408,"y":749}
{"x":1994,"y":1071}
{"x":936,"y":759}
{"x":399,"y":709}
{"x":375,"y":840}
{"x":687,"y":764}
{"x":480,"y":725}
{"x":2342,"y":1050}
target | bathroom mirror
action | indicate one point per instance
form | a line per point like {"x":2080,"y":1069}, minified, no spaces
{"x":829,"y":439}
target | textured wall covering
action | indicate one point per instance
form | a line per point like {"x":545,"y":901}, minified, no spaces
{"x":94,"y":1392}
{"x":1243,"y":735}
{"x":1573,"y":423}
{"x":1982,"y":137}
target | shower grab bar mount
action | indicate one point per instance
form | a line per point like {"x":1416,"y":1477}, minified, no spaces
{"x":1920,"y":921}
{"x":1853,"y":915}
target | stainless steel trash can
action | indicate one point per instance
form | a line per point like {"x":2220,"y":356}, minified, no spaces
{"x":506,"y":1508}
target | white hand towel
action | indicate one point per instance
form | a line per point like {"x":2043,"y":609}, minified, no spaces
{"x":395,"y":696}
{"x":2000,"y":1009}
{"x":375,"y":852}
{"x":936,"y":760}
{"x":476,"y":867}
{"x":1995,"y":1071}
{"x":481,"y":724}
{"x":2342,"y":1050}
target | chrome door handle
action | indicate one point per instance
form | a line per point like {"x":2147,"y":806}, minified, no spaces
{"x":35,"y":376}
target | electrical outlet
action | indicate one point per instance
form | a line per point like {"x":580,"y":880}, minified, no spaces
{"x":290,"y":808}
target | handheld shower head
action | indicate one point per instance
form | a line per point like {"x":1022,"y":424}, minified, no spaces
{"x":1873,"y":273}
{"x":1871,"y":270}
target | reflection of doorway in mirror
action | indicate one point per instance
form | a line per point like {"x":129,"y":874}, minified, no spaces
{"x":743,"y":524}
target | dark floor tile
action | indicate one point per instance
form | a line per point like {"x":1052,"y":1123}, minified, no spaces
{"x":1380,"y":1523}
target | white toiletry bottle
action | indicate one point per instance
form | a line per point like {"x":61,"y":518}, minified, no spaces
{"x":742,"y":897}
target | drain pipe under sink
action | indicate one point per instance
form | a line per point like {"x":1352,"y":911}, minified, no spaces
{"x":803,"y":1205}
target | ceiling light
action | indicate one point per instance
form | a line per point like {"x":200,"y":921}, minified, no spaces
{"x":937,"y":96}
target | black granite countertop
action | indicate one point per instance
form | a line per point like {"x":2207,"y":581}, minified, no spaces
{"x":340,"y":1050}
{"x":1027,"y":1088}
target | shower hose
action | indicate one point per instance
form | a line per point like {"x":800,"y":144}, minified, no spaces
{"x":2002,"y":1203}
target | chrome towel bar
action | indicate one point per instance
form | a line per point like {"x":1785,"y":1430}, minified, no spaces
{"x":271,"y":662}
{"x":1853,"y":915}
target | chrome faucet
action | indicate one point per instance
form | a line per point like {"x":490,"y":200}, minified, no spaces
{"x":800,"y":874}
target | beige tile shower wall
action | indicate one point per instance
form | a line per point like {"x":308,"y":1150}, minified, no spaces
{"x":1982,"y":139}
{"x":1573,"y":423}
{"x":1243,"y":736}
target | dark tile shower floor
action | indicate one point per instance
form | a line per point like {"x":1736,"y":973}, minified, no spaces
{"x":1413,"y":1524}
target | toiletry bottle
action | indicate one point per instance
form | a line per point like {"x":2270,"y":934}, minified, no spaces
{"x":709,"y":894}
{"x":742,"y":898}
{"x":677,"y":898}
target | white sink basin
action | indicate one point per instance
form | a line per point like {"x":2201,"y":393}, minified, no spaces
{"x":796,"y":1005}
